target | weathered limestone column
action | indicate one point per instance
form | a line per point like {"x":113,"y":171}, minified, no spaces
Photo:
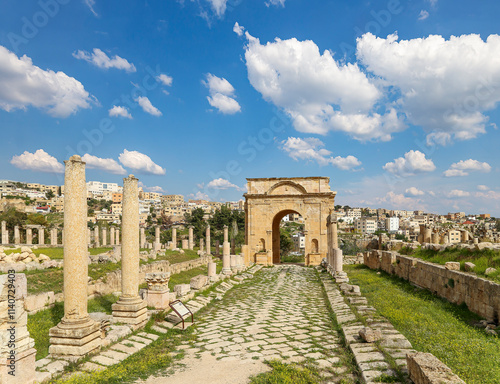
{"x":143,"y":238}
{"x":17,"y":235}
{"x":208,"y":240}
{"x":5,"y":240}
{"x":246,"y":255}
{"x":233,"y":263}
{"x":158,"y":292}
{"x":130,"y":308}
{"x":112,"y":236}
{"x":104,"y":237}
{"x":157,"y":244}
{"x":53,"y":236}
{"x":77,"y":334}
{"x":88,"y":237}
{"x":217,"y":248}
{"x":338,"y":261}
{"x":29,"y":236}
{"x":191,"y":240}
{"x":18,"y":358}
{"x":226,"y":258}
{"x":41,"y":235}
{"x":174,"y":237}
{"x":202,"y":246}
{"x":185,"y":244}
{"x":97,"y":243}
{"x":117,"y":234}
{"x":212,"y":270}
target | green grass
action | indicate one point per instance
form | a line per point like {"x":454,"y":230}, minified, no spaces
{"x":176,"y":257}
{"x":40,"y":322}
{"x":486,"y":258}
{"x":432,"y":325}
{"x":293,"y":259}
{"x":282,"y":373}
{"x":56,"y":253}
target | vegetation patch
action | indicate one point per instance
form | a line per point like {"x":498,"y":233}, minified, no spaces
{"x":432,"y":325}
{"x":282,"y":373}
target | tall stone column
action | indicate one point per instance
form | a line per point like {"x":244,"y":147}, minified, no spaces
{"x":104,"y":237}
{"x":117,"y":234}
{"x":41,"y":235}
{"x":77,"y":334}
{"x":208,"y":240}
{"x":88,"y":237}
{"x":142,"y":241}
{"x":130,"y":308}
{"x":97,"y":243}
{"x":5,"y":240}
{"x":112,"y":236}
{"x":17,"y":235}
{"x":53,"y":236}
{"x":157,"y":244}
{"x":29,"y":236}
{"x":191,"y":240}
{"x":226,"y":258}
{"x":202,"y":246}
{"x":174,"y":238}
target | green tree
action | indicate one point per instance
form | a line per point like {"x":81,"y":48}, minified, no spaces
{"x":49,"y":194}
{"x":221,"y":217}
{"x":36,"y":219}
{"x":195,"y":218}
{"x":13,"y":218}
{"x":286,"y":243}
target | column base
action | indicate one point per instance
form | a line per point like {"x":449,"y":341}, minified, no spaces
{"x":131,"y":311}
{"x":73,"y":340}
{"x":226,"y":271}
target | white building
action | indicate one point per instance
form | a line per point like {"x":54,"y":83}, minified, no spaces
{"x":98,"y":188}
{"x":365,"y":225}
{"x":299,"y":242}
{"x":392,"y":224}
{"x":354,"y":212}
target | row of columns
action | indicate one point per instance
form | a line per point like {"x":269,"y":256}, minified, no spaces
{"x":186,"y":244}
{"x":77,"y":334}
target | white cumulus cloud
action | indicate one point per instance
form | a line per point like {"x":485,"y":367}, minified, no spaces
{"x":40,"y":161}
{"x":221,"y":95}
{"x":445,"y":86}
{"x":413,"y":162}
{"x":156,"y":189}
{"x":140,"y":162}
{"x":221,"y":183}
{"x":238,"y":29}
{"x":312,"y":149}
{"x":483,"y":188}
{"x":101,"y":60}
{"x":462,"y":167}
{"x":23,"y":84}
{"x":165,"y":79}
{"x":90,"y":4}
{"x":413,"y":192}
{"x":146,"y":105}
{"x":107,"y":165}
{"x":458,"y":193}
{"x":119,"y":111}
{"x":275,"y":2}
{"x":317,"y":92}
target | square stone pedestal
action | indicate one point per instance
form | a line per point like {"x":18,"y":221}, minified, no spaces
{"x":22,"y":368}
{"x":160,"y":299}
{"x":131,"y":311}
{"x":262,"y":258}
{"x":72,"y":340}
{"x":313,"y":259}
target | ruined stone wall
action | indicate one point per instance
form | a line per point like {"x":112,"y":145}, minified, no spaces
{"x":480,"y":295}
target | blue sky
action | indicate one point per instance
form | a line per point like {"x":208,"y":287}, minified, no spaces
{"x":395,"y":101}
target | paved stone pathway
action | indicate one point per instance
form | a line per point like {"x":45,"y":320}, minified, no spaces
{"x":280,"y":314}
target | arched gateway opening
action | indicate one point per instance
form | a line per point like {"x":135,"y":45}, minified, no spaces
{"x":269,"y":200}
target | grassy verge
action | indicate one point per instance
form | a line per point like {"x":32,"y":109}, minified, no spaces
{"x":40,"y":322}
{"x":282,"y":373}
{"x":432,"y":325}
{"x":293,"y":259}
{"x":486,"y":258}
{"x":56,"y":253}
{"x":176,"y":257}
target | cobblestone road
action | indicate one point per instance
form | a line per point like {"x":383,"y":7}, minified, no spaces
{"x":279,"y":314}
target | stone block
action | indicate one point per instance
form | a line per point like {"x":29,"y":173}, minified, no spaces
{"x":469,"y":267}
{"x":198,"y":282}
{"x":452,"y":266}
{"x":370,"y":335}
{"x":425,"y":368}
{"x":490,"y":271}
{"x":182,"y":289}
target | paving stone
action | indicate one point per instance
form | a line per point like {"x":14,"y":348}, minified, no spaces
{"x":91,"y":367}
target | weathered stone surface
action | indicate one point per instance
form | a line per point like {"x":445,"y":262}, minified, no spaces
{"x":182,"y":289}
{"x":199,"y":282}
{"x":452,"y":266}
{"x":425,"y":368}
{"x":469,"y":267}
{"x":370,"y":335}
{"x":490,"y":271}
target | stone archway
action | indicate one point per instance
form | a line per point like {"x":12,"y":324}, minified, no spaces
{"x":268,"y":200}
